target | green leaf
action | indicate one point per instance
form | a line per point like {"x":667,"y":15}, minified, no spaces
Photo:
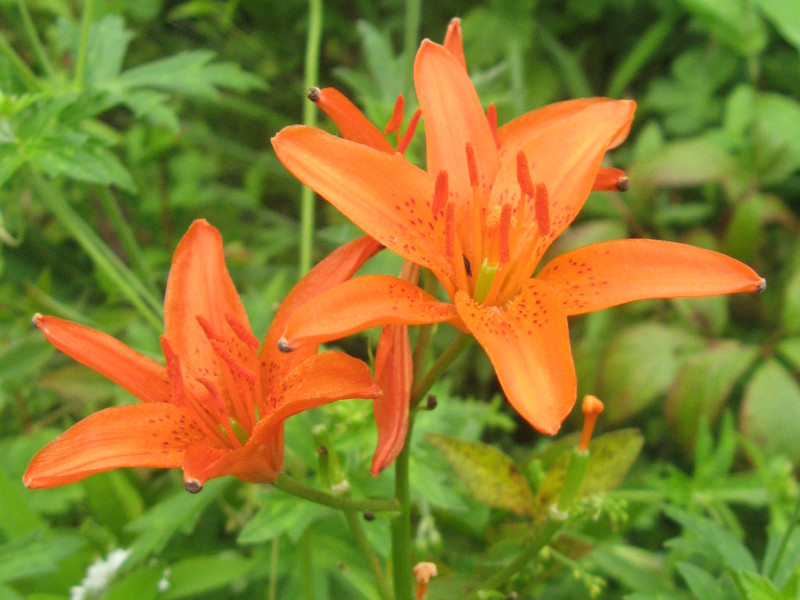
{"x":790,"y":309}
{"x":611,"y":457}
{"x":770,"y":413}
{"x":489,"y":474}
{"x":776,"y":136}
{"x":785,"y":16}
{"x":701,"y":583}
{"x":734,"y":22}
{"x":704,"y":384}
{"x":640,"y":364}
{"x":89,"y":162}
{"x":35,"y":554}
{"x":178,"y":513}
{"x":141,"y":584}
{"x":201,"y":574}
{"x":685,"y":162}
{"x":191,"y":73}
{"x":789,"y":350}
{"x":712,"y":540}
{"x":108,"y":44}
{"x":758,"y":587}
{"x":281,"y":514}
{"x":745,"y":234}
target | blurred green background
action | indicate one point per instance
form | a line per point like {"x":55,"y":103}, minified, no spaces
{"x":121,"y":122}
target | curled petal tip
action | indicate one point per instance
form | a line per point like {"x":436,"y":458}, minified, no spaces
{"x":313,"y":94}
{"x":284,"y":346}
{"x":192,"y":486}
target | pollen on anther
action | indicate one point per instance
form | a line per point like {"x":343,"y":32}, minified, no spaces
{"x":524,"y":175}
{"x":542,"y":208}
{"x":503,"y":234}
{"x":313,"y":94}
{"x":472,"y":165}
{"x":440,"y":193}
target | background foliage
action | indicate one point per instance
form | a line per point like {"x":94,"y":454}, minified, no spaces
{"x":121,"y":122}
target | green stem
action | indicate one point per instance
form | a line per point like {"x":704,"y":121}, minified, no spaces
{"x":410,"y":41}
{"x":453,"y":351}
{"x":33,"y":39}
{"x":785,"y":541}
{"x":83,"y":44}
{"x":126,"y":237}
{"x":289,"y":485}
{"x":557,"y":516}
{"x":374,"y":564}
{"x":22,"y":70}
{"x":401,"y":523}
{"x":272,"y":590}
{"x":567,"y":64}
{"x":102,"y":256}
{"x":309,"y":118}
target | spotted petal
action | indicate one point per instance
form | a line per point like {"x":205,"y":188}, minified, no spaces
{"x":137,"y":435}
{"x":362,"y":303}
{"x":602,"y":275}
{"x":528,"y":343}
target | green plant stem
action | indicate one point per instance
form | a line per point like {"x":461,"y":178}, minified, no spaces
{"x":374,"y":564}
{"x":126,"y":237}
{"x":787,"y":535}
{"x":272,"y":590}
{"x":569,"y":66}
{"x":290,"y":485}
{"x":410,"y":41}
{"x":83,"y":44}
{"x":33,"y":39}
{"x":21,"y":69}
{"x":102,"y":256}
{"x":310,"y":77}
{"x":401,"y":523}
{"x":453,"y":351}
{"x":557,"y":516}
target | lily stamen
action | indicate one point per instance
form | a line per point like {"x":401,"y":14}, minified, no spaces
{"x":441,"y":193}
{"x":491,"y":118}
{"x":591,"y":407}
{"x":397,"y":117}
{"x":542,"y":209}
{"x":409,"y":134}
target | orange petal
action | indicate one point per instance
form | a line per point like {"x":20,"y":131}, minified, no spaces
{"x":252,"y":463}
{"x":137,"y":435}
{"x":134,"y":372}
{"x":528,"y":343}
{"x":610,"y":273}
{"x":362,"y":303}
{"x":320,"y":379}
{"x":453,"y":41}
{"x":394,"y":373}
{"x":339,"y":266}
{"x":384,"y":195}
{"x":609,"y":179}
{"x":453,"y":116}
{"x":565,"y":156}
{"x":516,"y":132}
{"x":199,"y":286}
{"x":350,"y":121}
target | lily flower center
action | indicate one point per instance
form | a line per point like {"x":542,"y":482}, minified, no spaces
{"x":492,"y":245}
{"x":222,"y":397}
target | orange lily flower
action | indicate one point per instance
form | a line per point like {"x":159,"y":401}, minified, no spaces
{"x":218,"y":406}
{"x":481,"y":218}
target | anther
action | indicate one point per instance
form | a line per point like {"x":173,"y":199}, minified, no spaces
{"x":35,"y":320}
{"x":440,"y":193}
{"x":761,"y":286}
{"x":503,"y":234}
{"x":524,"y":175}
{"x":313,"y":94}
{"x":472,"y":166}
{"x":542,"y":208}
{"x":242,"y":331}
{"x":467,"y":266}
{"x":369,"y":516}
{"x":284,"y":346}
{"x":192,"y":486}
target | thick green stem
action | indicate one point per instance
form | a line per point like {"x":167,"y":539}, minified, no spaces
{"x":309,"y":118}
{"x":401,"y":523}
{"x":453,"y":351}
{"x":374,"y":564}
{"x":83,"y":44}
{"x":103,"y":257}
{"x":301,"y":490}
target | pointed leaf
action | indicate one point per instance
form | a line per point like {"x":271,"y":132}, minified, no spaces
{"x":489,"y":474}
